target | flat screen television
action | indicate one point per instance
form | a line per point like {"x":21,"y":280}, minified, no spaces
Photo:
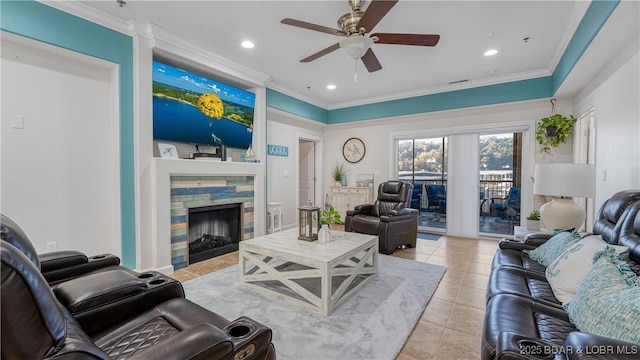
{"x":191,"y":108}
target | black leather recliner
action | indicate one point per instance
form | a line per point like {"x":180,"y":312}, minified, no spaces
{"x":390,"y":217}
{"x":36,"y":326}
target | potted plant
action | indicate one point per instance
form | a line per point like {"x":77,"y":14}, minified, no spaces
{"x":326,"y":218}
{"x":339,"y":174}
{"x":330,"y":216}
{"x":533,"y":221}
{"x":554,"y":130}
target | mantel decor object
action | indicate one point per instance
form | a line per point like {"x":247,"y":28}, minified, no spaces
{"x":309,"y":222}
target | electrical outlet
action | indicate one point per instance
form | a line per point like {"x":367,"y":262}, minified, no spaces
{"x":52,"y":246}
{"x":17,"y":121}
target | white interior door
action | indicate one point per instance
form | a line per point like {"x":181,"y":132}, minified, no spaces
{"x":584,"y":153}
{"x":307,"y":177}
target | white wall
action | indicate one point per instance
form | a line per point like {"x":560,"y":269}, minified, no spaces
{"x":60,"y":173}
{"x":285,"y":130}
{"x":614,"y":95}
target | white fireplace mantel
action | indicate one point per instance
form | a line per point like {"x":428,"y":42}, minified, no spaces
{"x":159,"y":250}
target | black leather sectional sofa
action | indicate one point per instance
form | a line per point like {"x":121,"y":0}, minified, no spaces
{"x":94,"y":308}
{"x":523,"y":318}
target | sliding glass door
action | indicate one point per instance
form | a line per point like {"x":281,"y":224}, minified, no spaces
{"x":423,"y":162}
{"x":500,"y":182}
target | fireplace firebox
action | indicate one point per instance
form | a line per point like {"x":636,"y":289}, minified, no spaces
{"x":214,"y":230}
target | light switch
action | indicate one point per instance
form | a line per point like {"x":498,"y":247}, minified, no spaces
{"x":17,"y":121}
{"x":285,"y":173}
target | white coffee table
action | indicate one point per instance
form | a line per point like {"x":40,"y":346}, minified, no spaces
{"x":317,"y":276}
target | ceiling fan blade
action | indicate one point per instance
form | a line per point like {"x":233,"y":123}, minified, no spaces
{"x":371,"y":61}
{"x":320,"y":53}
{"x":310,"y":26}
{"x":374,"y":13}
{"x":407,"y":39}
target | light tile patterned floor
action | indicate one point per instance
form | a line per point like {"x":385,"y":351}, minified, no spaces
{"x":451,"y":325}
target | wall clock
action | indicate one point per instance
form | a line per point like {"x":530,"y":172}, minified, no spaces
{"x":353,"y":150}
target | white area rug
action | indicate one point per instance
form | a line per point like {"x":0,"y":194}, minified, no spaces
{"x":373,"y":324}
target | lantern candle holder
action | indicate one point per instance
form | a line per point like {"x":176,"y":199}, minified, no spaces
{"x":309,"y":223}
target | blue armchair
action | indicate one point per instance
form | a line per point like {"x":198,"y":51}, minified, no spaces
{"x":508,"y":207}
{"x":437,"y":197}
{"x":416,"y":196}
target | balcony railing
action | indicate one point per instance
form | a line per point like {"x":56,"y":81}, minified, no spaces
{"x":491,"y":190}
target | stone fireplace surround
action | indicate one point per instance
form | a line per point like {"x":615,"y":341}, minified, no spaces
{"x":232,"y":180}
{"x":202,"y":191}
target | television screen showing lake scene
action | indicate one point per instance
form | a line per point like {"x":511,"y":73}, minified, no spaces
{"x":191,"y":108}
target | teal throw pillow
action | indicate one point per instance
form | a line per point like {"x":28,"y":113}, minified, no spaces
{"x":607,"y":302}
{"x":546,"y":253}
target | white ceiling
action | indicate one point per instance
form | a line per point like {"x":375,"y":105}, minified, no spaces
{"x":467,"y":29}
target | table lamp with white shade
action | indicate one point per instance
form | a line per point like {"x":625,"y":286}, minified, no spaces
{"x":563,"y":181}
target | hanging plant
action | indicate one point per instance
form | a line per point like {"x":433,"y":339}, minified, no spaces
{"x":554,"y":130}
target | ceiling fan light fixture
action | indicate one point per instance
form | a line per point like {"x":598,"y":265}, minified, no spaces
{"x":356,"y":46}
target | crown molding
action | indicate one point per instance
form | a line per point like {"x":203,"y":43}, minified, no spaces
{"x":299,"y":96}
{"x":579,"y":10}
{"x":493,"y":80}
{"x":84,"y":12}
{"x":170,"y":44}
{"x":288,"y":118}
{"x":167,"y":42}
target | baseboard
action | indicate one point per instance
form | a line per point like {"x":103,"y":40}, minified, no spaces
{"x":167,"y":270}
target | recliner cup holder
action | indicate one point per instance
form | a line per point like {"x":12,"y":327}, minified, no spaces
{"x":145,"y":275}
{"x":240,"y":330}
{"x":157,"y":281}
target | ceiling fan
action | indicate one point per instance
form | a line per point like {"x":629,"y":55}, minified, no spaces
{"x":356,"y":27}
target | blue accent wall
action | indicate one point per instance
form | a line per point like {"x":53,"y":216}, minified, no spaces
{"x":593,"y":20}
{"x":43,"y":23}
{"x":294,"y":106}
{"x":485,"y":95}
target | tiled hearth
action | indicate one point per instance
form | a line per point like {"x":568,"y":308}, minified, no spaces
{"x":197,"y":191}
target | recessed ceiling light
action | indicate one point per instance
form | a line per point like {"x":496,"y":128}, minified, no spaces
{"x":247,"y":44}
{"x":331,"y":87}
{"x":490,"y":52}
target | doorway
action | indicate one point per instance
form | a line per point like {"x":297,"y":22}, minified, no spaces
{"x":500,"y":182}
{"x":307,"y":172}
{"x":584,"y":153}
{"x":423,"y":162}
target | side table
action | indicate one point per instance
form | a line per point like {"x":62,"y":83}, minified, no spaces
{"x":519,"y":232}
{"x":274,"y":217}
